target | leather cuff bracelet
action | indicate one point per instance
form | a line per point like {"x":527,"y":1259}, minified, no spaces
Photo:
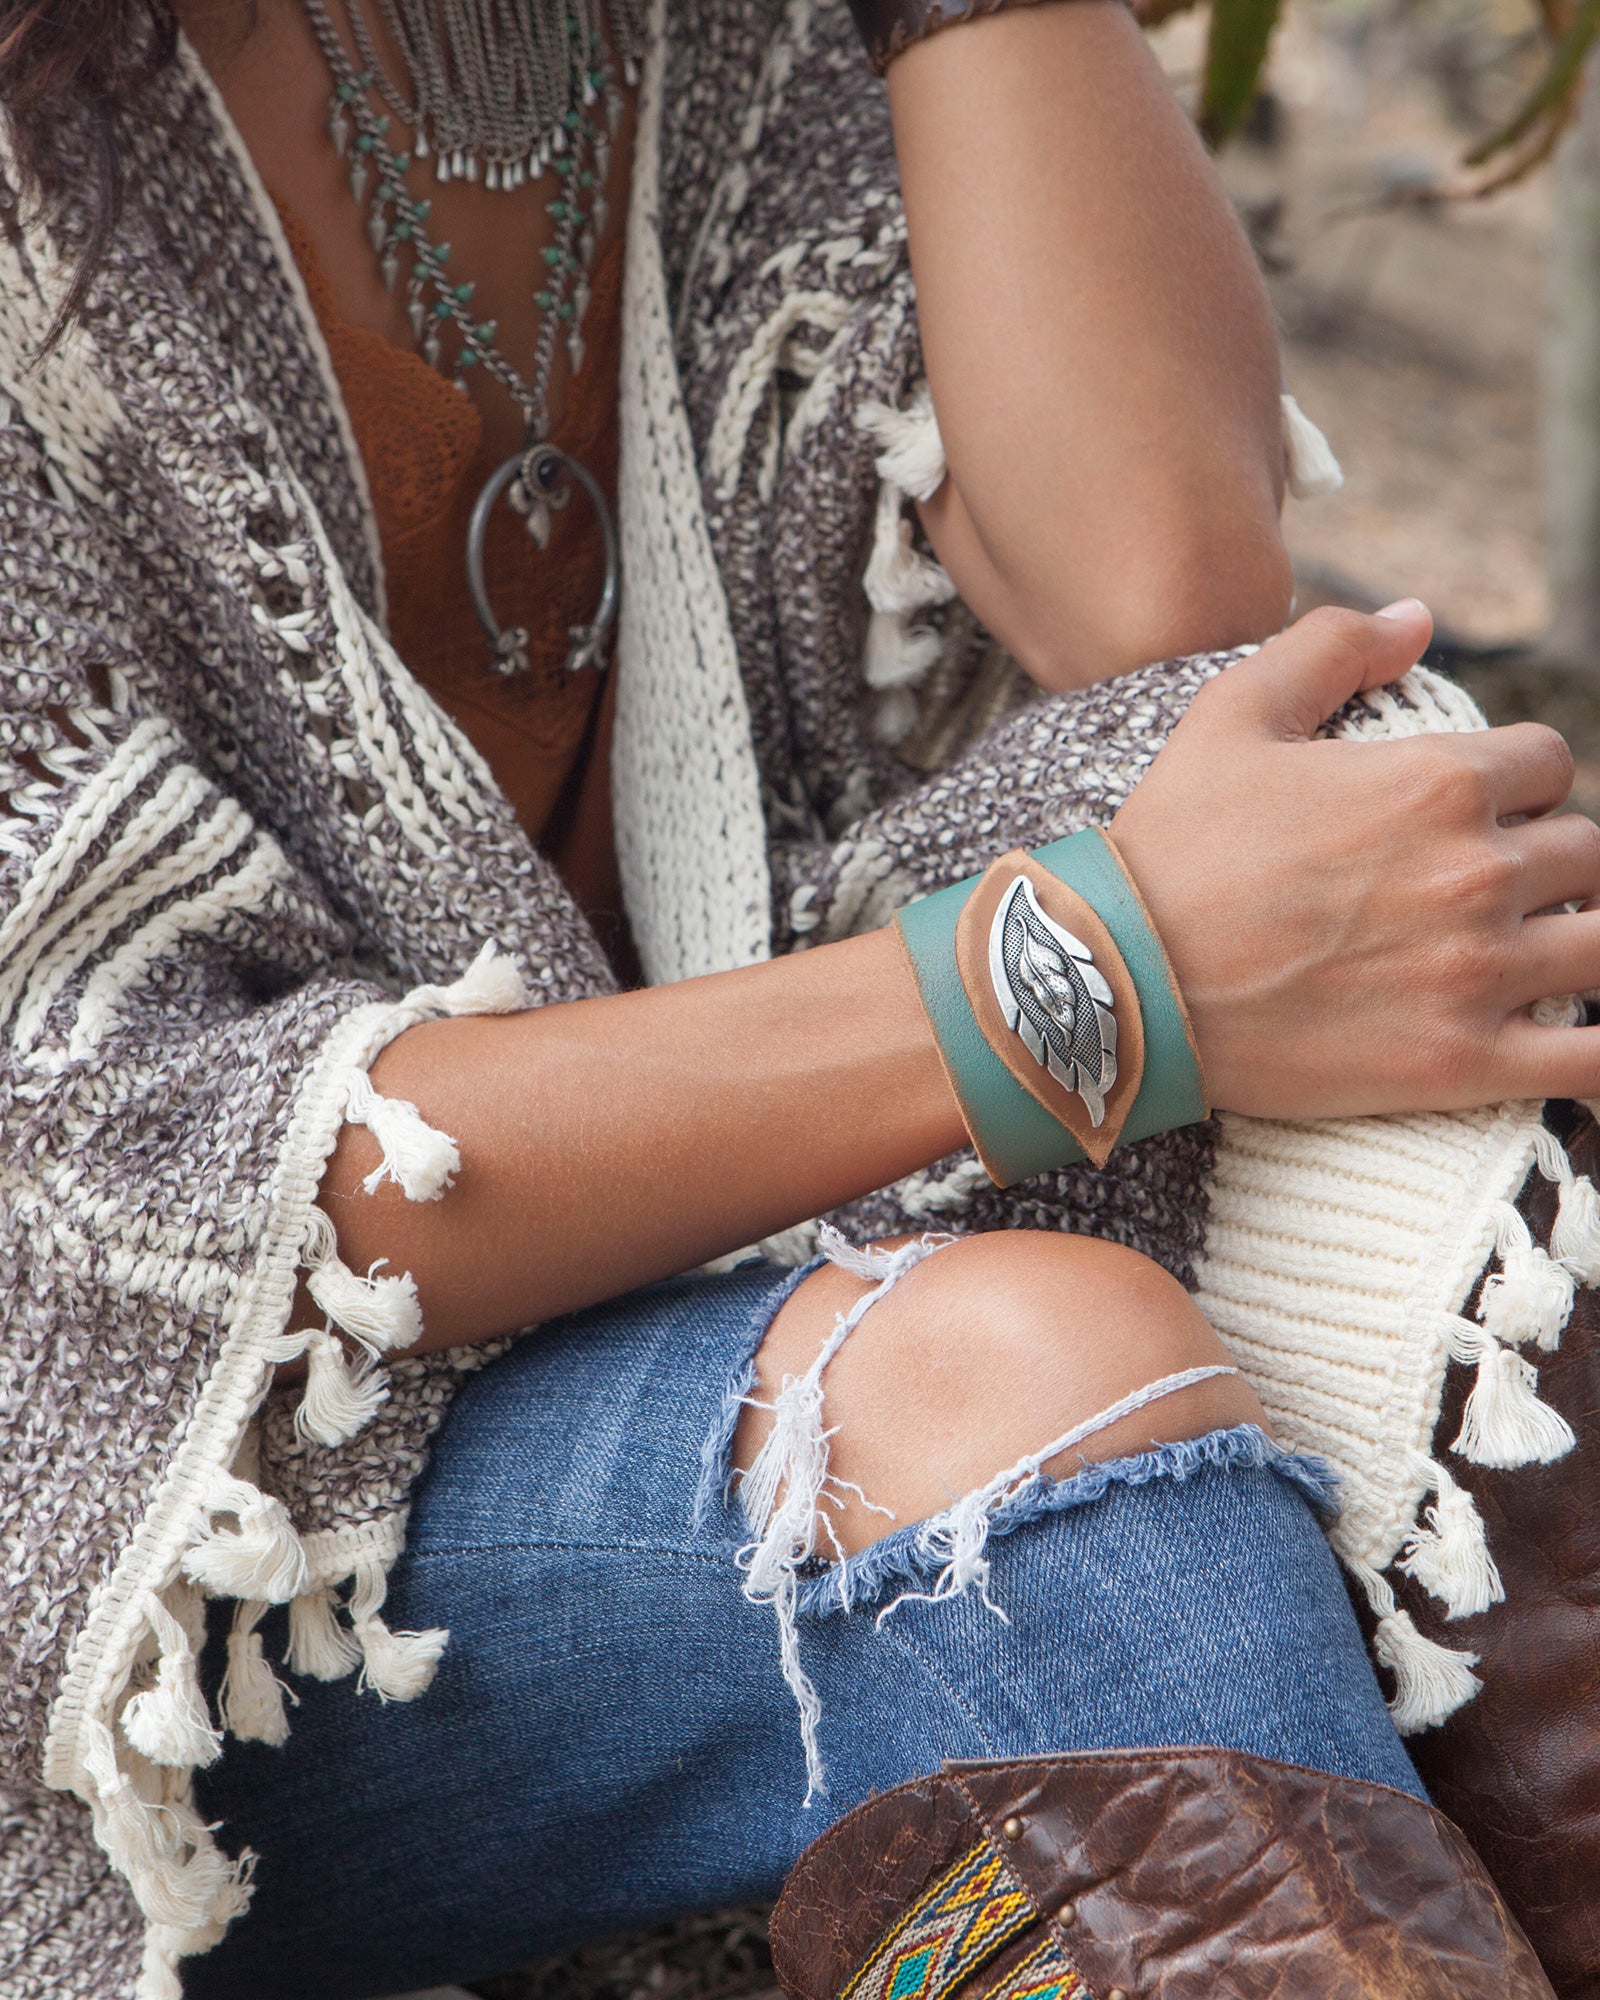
{"x":1057,"y":1017}
{"x":888,"y":26}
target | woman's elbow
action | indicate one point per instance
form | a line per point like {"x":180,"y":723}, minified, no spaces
{"x":1200,"y":588}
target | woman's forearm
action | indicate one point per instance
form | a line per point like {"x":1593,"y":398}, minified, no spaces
{"x":610,"y":1142}
{"x":1099,"y":345}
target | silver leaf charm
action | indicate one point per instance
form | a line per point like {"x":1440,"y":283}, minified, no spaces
{"x":1054,"y":997}
{"x":537,"y":522}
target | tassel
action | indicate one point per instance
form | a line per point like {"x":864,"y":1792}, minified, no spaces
{"x":492,"y":984}
{"x":898,"y":654}
{"x":252,"y":1697}
{"x":381,"y":1313}
{"x":1504,"y":1424}
{"x":169,"y":1723}
{"x":1575,"y":1240}
{"x":422,"y":1161}
{"x":398,"y":1666}
{"x":319,"y":1646}
{"x":898,"y":577}
{"x":261,"y":1558}
{"x":139,"y":1838}
{"x":1313,"y":471}
{"x":1431,"y":1682}
{"x":1530,"y":1297}
{"x":179,"y":1876}
{"x":340,"y":1399}
{"x":1448,"y":1554}
{"x":910,"y":445}
{"x":158,"y":1971}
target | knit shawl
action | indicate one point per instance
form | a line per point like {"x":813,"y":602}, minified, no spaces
{"x":242,"y":850}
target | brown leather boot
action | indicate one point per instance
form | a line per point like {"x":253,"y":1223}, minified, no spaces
{"x":1146,"y":1875}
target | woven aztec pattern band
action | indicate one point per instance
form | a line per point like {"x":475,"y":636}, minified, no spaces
{"x":964,"y":1921}
{"x":1057,"y":1017}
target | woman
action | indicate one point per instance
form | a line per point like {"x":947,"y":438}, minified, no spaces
{"x":670,"y":1584}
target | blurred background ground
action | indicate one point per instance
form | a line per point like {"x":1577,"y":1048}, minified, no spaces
{"x":1412,"y":334}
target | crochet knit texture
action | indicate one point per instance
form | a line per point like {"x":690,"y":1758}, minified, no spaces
{"x":243,"y":851}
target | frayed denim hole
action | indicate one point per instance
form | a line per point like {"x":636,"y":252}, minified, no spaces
{"x":904,"y":1557}
{"x":715,"y":1484}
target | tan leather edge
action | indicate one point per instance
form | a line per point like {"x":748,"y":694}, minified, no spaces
{"x":1068,"y":909}
{"x":1172,"y":977}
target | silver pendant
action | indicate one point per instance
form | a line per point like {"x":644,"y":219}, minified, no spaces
{"x":417,"y":313}
{"x":377,"y":229}
{"x":1054,"y":998}
{"x":358,"y":178}
{"x":339,"y":130}
{"x":543,"y":473}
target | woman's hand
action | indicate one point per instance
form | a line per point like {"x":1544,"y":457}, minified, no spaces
{"x":1356,"y":926}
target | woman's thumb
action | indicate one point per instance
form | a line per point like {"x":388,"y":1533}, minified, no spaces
{"x":1296,"y":681}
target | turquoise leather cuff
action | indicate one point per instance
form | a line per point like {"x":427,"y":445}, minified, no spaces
{"x":1056,"y":1013}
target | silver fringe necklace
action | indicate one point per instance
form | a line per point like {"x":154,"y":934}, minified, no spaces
{"x":502,"y":92}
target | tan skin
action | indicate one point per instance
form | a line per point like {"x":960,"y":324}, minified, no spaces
{"x":1355,"y":926}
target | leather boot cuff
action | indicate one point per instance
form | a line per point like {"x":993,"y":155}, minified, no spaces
{"x":1146,"y":1875}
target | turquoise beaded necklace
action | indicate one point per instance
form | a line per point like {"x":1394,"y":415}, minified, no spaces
{"x":504,"y":146}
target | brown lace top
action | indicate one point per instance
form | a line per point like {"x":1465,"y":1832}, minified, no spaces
{"x":545,"y":734}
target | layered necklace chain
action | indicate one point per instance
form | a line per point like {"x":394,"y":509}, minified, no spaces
{"x":502,"y":92}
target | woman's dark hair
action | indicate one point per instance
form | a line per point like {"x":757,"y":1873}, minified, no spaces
{"x":66,"y":68}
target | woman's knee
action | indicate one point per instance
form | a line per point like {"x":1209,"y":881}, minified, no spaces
{"x":984,"y":1353}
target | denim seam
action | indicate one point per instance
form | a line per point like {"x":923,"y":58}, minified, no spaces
{"x":718,"y":1559}
{"x":936,"y":1674}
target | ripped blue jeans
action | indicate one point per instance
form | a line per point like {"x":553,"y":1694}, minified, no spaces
{"x":610,"y":1740}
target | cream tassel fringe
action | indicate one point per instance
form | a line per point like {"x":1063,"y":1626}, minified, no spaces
{"x":260,"y":1558}
{"x":381,"y":1313}
{"x":1530,"y":1296}
{"x":1504,"y":1424}
{"x":319,"y":1645}
{"x":1575,"y":1239}
{"x":341,"y":1396}
{"x":1431,"y":1681}
{"x":422,"y":1161}
{"x":399,"y":1666}
{"x":251,"y":1701}
{"x":1313,"y":471}
{"x":178,"y":1874}
{"x":899,"y":581}
{"x":169,"y":1723}
{"x":1448,"y":1551}
{"x":492,"y":984}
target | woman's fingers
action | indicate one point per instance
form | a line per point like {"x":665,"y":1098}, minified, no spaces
{"x":1556,"y":955}
{"x":1558,"y":862}
{"x":1546,"y":1062}
{"x":1527,"y":768}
